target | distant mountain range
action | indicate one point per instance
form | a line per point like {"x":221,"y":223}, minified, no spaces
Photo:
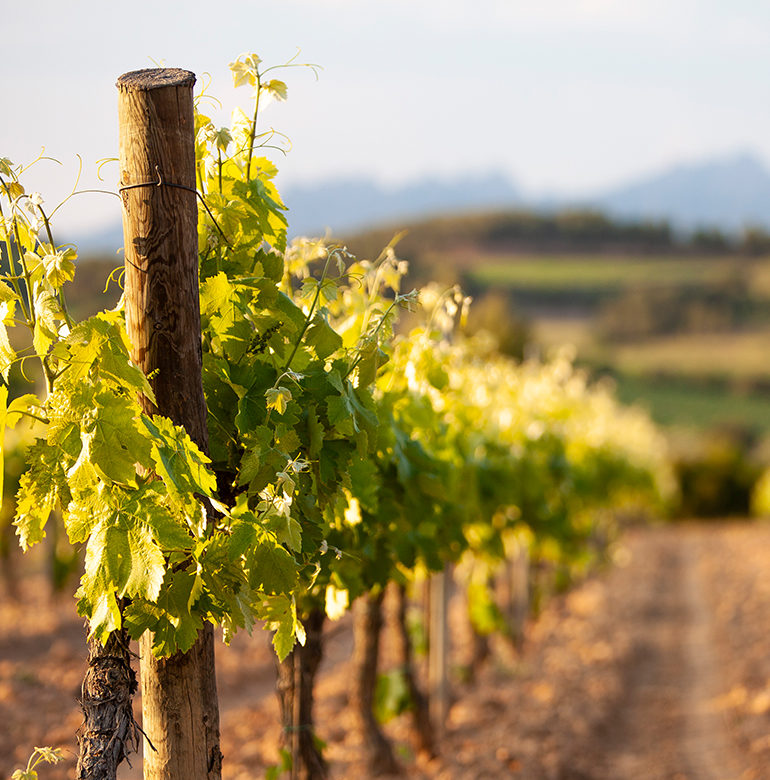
{"x":726,"y":193}
{"x":351,"y":204}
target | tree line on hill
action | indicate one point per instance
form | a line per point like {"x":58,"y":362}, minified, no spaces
{"x":569,"y":231}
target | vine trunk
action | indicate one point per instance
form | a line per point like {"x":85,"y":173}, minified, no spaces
{"x":295,"y":688}
{"x":109,"y":732}
{"x":421,"y":723}
{"x":367,"y":628}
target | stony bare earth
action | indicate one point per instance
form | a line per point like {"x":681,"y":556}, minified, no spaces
{"x":657,"y":668}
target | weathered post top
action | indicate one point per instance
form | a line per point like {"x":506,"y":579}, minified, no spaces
{"x":156,"y":78}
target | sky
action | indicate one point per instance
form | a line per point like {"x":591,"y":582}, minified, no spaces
{"x":562,"y":96}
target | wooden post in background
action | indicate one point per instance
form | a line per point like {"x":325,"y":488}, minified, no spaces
{"x":517,"y":586}
{"x":438,"y":650}
{"x":157,"y":171}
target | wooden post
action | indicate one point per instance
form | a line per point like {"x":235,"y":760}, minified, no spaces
{"x":517,"y":585}
{"x":438,"y":650}
{"x":421,"y":725}
{"x":157,"y":170}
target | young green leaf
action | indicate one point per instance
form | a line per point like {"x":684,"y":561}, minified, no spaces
{"x":112,"y":439}
{"x":40,"y":488}
{"x":278,"y":398}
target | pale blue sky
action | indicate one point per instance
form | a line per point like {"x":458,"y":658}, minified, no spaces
{"x":560,"y":95}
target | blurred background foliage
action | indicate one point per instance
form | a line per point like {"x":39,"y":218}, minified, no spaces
{"x":680,"y":322}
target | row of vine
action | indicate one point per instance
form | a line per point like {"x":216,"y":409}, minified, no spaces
{"x":356,"y":437}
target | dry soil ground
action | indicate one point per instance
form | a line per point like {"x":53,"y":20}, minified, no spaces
{"x":657,"y":668}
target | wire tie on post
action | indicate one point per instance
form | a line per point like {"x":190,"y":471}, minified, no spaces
{"x":163,"y":183}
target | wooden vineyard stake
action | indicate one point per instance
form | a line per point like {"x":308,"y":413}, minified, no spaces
{"x":517,"y":587}
{"x":438,"y":652}
{"x":157,"y":171}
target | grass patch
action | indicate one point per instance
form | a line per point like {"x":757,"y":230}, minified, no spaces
{"x":554,"y":332}
{"x":736,"y":355}
{"x":602,"y":273}
{"x":696,"y":405}
{"x":739,"y":355}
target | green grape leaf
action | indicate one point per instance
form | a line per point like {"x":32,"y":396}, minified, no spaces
{"x":129,"y":532}
{"x":340,"y":415}
{"x":171,"y":619}
{"x":223,"y":311}
{"x":322,"y":337}
{"x":217,"y":295}
{"x":58,"y":265}
{"x":259,"y":448}
{"x":3,"y":414}
{"x":245,"y":70}
{"x":278,"y":398}
{"x":335,"y":379}
{"x":170,"y":633}
{"x":81,"y":519}
{"x":287,"y":529}
{"x":7,"y":352}
{"x":293,"y":315}
{"x":96,"y":593}
{"x":280,"y":616}
{"x":146,"y":508}
{"x":115,"y":364}
{"x":113,"y":441}
{"x":272,"y":265}
{"x":365,"y":483}
{"x":286,"y":438}
{"x":183,"y":634}
{"x":371,"y":360}
{"x":315,"y":432}
{"x":40,"y":487}
{"x":276,"y":88}
{"x":178,"y":597}
{"x":243,"y":534}
{"x":134,"y":561}
{"x":140,"y":616}
{"x":283,"y":639}
{"x":7,"y":293}
{"x":178,"y":461}
{"x":171,"y":636}
{"x":101,"y":342}
{"x":20,"y":407}
{"x":252,"y":409}
{"x":272,"y":568}
{"x":87,"y":508}
{"x":26,"y":233}
{"x":262,"y":199}
{"x":47,"y":313}
{"x":125,"y":553}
